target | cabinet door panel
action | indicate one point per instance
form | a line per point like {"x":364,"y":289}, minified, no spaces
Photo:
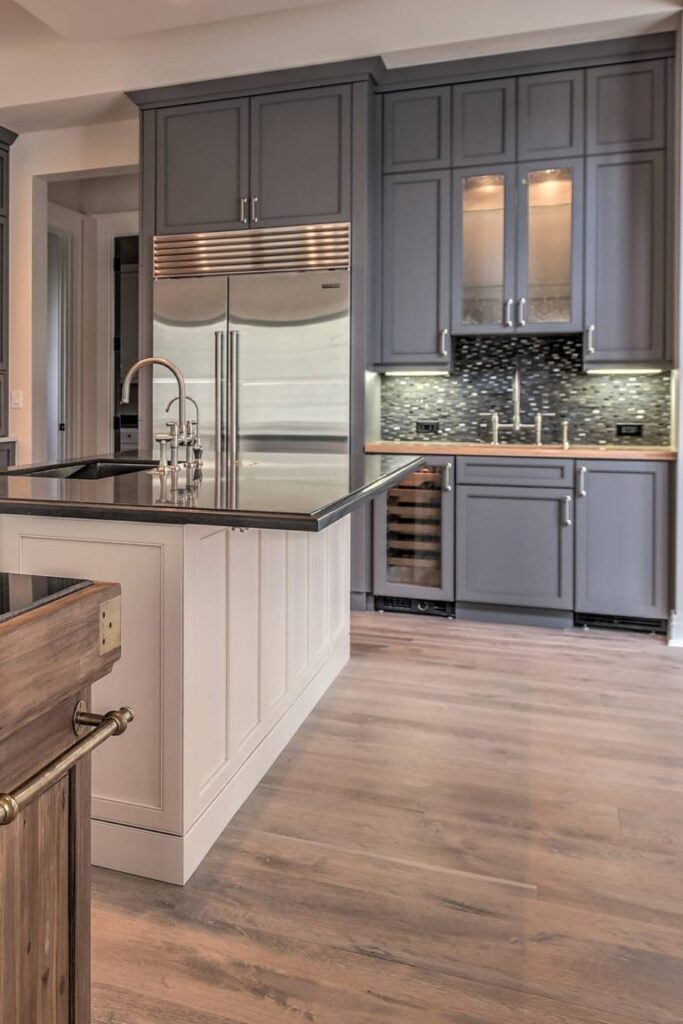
{"x":625,"y":258}
{"x":4,"y":291}
{"x":514,"y":546}
{"x":550,"y":245}
{"x":416,"y":267}
{"x":550,"y":118}
{"x":417,"y":130}
{"x":622,"y":528}
{"x":414,"y":535}
{"x":202,"y":166}
{"x":484,"y":122}
{"x":483,"y":235}
{"x":626,"y":107}
{"x":301,"y":156}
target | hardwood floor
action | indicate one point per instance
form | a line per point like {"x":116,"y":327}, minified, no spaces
{"x":477,"y":825}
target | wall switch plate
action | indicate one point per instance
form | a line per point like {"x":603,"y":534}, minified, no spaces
{"x":426,"y":426}
{"x":17,"y":400}
{"x":629,"y":429}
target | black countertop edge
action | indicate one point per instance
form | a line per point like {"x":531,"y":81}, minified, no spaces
{"x":311,"y":522}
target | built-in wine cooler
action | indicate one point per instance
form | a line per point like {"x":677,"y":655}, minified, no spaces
{"x":414,"y":540}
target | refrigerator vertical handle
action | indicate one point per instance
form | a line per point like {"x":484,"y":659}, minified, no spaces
{"x":219,"y":352}
{"x":233,"y":397}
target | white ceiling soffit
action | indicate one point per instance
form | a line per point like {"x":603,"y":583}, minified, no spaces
{"x":87,"y":20}
{"x":68,"y":113}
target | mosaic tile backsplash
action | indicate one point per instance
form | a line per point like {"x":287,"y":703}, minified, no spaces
{"x":552,"y":382}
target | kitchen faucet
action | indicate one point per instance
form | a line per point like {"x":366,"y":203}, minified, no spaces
{"x":198,"y":447}
{"x":181,"y":432}
{"x":517,"y":425}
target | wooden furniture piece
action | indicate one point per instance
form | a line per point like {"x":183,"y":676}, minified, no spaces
{"x":50,"y":655}
{"x":6,"y":139}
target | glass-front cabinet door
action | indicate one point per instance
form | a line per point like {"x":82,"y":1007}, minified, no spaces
{"x":549,"y":239}
{"x":483,"y":238}
{"x":414,"y":529}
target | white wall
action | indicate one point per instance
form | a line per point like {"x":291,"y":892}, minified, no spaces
{"x":109,"y":193}
{"x":35,"y":157}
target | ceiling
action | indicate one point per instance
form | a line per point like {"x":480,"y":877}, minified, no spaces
{"x":85,"y":20}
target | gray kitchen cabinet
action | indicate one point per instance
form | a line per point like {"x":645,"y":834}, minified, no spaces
{"x":4,"y":291}
{"x":414,"y":535}
{"x":202,"y":167}
{"x":7,"y":449}
{"x":625,"y":258}
{"x":515,"y":471}
{"x":4,"y":181}
{"x":549,"y":285}
{"x":4,"y":418}
{"x":550,"y":115}
{"x":515,"y":546}
{"x":417,"y":130}
{"x":626,"y":107}
{"x":301,"y":156}
{"x":484,"y":122}
{"x":622,"y":538}
{"x":416,"y":246}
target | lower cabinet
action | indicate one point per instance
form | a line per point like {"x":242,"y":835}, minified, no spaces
{"x":413,"y":535}
{"x":514,"y":546}
{"x":7,"y":453}
{"x":622,"y":538}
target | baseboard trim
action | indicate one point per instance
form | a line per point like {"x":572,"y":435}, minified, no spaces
{"x":174,"y":859}
{"x":675,"y":634}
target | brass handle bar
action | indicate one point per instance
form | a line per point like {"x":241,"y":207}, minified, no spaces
{"x":113,"y":723}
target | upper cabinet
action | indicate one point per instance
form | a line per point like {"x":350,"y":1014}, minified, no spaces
{"x":417,"y":130}
{"x":484,"y":122}
{"x":626,"y":107}
{"x":550,"y":115}
{"x":271,"y":160}
{"x":202,"y":167}
{"x":300,"y":157}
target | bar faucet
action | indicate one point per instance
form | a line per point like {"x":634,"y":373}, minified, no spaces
{"x":197,"y":446}
{"x":179,"y":432}
{"x":516,"y":424}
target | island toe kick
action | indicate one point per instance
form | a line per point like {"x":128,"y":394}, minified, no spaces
{"x":229,"y":639}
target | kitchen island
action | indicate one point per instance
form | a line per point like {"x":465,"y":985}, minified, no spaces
{"x":235,"y":622}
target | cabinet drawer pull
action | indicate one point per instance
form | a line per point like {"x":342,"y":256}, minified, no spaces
{"x":507,"y":313}
{"x":448,"y":477}
{"x":521,"y":312}
{"x":582,"y":492}
{"x":567,"y":503}
{"x":254,"y":209}
{"x":113,"y":723}
{"x":590,"y":340}
{"x":244,"y":210}
{"x":443,"y":342}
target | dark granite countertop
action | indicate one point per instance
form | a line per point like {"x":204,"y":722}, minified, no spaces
{"x":278,"y":491}
{"x":21,"y":593}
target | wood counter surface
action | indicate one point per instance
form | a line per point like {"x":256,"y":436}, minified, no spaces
{"x":527,"y":451}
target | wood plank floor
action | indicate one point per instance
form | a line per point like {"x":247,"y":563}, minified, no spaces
{"x":477,"y":825}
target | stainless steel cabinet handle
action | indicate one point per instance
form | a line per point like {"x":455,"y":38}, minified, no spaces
{"x":233,"y":396}
{"x":443,"y":342}
{"x":582,"y":492}
{"x":521,"y":312}
{"x":590,"y":340}
{"x":111,"y":724}
{"x":448,"y":477}
{"x":567,"y":501}
{"x":244,"y":209}
{"x":254,"y":209}
{"x":219,"y":400}
{"x":507,"y":314}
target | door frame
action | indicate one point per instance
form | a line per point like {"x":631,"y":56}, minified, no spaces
{"x":68,"y":225}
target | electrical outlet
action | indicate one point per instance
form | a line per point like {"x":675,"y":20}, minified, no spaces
{"x":629,"y":429}
{"x":426,"y":426}
{"x":17,"y":400}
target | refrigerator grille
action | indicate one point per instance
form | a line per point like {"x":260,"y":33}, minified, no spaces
{"x":253,"y":251}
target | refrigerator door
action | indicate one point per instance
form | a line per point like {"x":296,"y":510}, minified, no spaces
{"x":187,"y":314}
{"x":293,"y":345}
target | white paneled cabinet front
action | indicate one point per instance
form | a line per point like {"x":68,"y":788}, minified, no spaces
{"x":229,"y":638}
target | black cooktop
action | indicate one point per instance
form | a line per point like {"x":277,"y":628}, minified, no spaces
{"x":21,"y":593}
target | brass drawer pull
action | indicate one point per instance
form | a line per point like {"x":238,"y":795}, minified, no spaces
{"x":113,"y":723}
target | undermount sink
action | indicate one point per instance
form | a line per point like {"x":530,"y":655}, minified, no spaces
{"x":95,"y":470}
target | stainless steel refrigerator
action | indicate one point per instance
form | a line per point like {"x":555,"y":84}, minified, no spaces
{"x":280,"y":341}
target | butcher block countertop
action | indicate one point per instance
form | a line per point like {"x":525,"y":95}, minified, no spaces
{"x":528,"y":451}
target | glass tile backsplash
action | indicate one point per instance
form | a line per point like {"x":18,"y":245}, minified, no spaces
{"x":552,"y":382}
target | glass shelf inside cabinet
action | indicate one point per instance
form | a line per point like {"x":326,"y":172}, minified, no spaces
{"x":414,"y":529}
{"x":550,"y":245}
{"x":483,"y":248}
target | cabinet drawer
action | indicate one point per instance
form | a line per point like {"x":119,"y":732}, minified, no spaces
{"x":515,"y":472}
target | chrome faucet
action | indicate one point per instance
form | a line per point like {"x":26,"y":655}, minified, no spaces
{"x":197,"y":446}
{"x":517,"y":425}
{"x":181,"y":432}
